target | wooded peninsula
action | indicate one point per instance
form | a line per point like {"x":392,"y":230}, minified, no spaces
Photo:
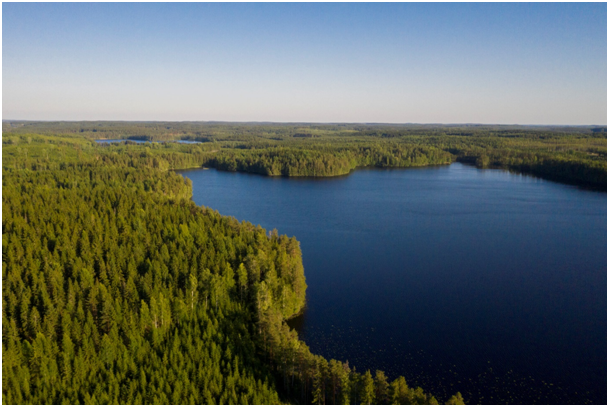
{"x":117,"y":288}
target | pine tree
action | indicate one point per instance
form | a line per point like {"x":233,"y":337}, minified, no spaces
{"x":457,"y":399}
{"x":367,"y":389}
{"x":381,"y":388}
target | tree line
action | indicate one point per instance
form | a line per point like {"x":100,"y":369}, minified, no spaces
{"x":570,"y":154}
{"x":324,"y":161}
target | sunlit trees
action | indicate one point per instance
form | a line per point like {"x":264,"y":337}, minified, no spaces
{"x":117,"y":288}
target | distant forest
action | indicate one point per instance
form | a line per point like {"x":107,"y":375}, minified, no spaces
{"x":575,"y":155}
{"x":117,"y":288}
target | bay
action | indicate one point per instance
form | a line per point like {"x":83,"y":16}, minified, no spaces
{"x":480,"y":281}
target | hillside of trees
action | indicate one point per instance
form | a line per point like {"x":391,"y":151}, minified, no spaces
{"x":117,"y":288}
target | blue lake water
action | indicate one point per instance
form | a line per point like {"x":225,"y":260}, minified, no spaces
{"x":480,"y":281}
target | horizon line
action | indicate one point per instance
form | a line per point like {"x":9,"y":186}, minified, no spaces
{"x":303,"y":122}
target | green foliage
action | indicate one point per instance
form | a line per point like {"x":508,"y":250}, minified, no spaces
{"x":367,"y":389}
{"x":325,"y":161}
{"x":575,"y":155}
{"x":381,"y":388}
{"x":100,"y":291}
{"x":457,"y":399}
{"x":117,"y":288}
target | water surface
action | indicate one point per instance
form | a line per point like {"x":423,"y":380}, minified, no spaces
{"x":480,"y":281}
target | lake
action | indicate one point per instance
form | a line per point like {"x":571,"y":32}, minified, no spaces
{"x":480,"y":281}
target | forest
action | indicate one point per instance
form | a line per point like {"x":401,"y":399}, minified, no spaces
{"x":117,"y":288}
{"x":574,"y":155}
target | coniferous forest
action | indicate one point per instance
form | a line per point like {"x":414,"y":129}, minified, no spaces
{"x":117,"y":288}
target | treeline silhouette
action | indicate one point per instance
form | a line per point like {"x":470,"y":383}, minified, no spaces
{"x":117,"y":288}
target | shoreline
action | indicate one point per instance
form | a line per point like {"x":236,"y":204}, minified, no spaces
{"x":585,"y":186}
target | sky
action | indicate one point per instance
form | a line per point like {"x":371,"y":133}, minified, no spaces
{"x":521,"y":63}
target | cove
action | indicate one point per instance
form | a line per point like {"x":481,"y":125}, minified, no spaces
{"x":480,"y":281}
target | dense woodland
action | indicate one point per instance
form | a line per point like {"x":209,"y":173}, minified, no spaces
{"x":117,"y":288}
{"x":575,"y":155}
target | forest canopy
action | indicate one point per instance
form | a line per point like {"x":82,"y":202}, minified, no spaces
{"x":117,"y":288}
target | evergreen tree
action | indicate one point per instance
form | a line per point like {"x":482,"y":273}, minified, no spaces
{"x":367,"y":395}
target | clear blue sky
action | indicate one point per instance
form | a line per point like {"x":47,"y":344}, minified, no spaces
{"x":394,"y":63}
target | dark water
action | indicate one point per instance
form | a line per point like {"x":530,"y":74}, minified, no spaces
{"x":479,"y":281}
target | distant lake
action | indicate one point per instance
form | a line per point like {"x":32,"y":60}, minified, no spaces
{"x":105,"y":141}
{"x":480,"y":281}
